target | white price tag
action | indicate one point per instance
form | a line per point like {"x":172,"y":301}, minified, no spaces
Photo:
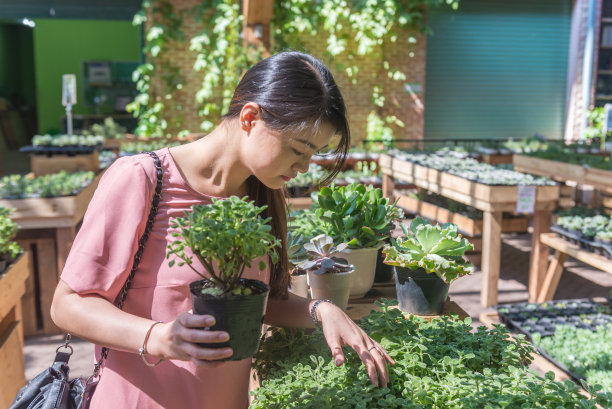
{"x":525,"y":202}
{"x":69,"y":89}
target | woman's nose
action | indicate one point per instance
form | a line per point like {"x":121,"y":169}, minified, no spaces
{"x":302,"y":165}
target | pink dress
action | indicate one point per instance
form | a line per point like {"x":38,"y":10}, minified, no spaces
{"x":99,"y":263}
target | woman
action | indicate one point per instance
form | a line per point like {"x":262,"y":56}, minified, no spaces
{"x":285,"y":109}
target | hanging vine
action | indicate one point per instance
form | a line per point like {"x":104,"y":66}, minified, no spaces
{"x":352,"y":29}
{"x":221,"y":57}
{"x":355,"y":29}
{"x":149,"y":105}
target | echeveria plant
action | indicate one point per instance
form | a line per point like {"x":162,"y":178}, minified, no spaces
{"x":8,"y":229}
{"x":355,"y":214}
{"x":321,"y":252}
{"x":225,"y":236}
{"x":434,"y":248}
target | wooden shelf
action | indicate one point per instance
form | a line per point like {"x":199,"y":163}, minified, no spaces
{"x":572,"y":250}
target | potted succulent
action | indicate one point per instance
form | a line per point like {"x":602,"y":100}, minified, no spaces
{"x":9,"y":250}
{"x":297,"y":254}
{"x":329,"y":277}
{"x":427,"y":259}
{"x":226,"y":236}
{"x":361,"y":217}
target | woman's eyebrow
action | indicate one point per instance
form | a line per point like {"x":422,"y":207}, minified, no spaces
{"x":310,"y":145}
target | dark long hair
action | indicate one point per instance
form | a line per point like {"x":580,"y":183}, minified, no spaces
{"x":295,"y":92}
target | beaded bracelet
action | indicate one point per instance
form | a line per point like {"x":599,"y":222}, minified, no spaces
{"x":313,"y":310}
{"x":143,"y":349}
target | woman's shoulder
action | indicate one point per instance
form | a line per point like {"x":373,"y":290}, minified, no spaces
{"x":127,"y":167}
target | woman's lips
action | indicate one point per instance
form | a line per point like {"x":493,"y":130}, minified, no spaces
{"x":286,"y":178}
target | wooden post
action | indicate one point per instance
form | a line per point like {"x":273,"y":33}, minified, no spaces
{"x":257,"y":18}
{"x":491,"y":253}
{"x":553,"y":275}
{"x":64,"y":238}
{"x":388,"y":187}
{"x":539,"y":253}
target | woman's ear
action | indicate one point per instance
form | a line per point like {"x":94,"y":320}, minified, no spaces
{"x":249,"y":115}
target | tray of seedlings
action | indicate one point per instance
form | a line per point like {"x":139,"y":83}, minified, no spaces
{"x":591,"y":233}
{"x":572,"y":334}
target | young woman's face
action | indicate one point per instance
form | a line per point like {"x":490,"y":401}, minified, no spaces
{"x":275,"y":158}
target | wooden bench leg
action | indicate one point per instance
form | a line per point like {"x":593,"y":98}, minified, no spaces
{"x":553,"y":275}
{"x":491,"y":252}
{"x":539,"y":253}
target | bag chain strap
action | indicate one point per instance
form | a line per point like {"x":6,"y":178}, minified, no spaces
{"x":138,"y":255}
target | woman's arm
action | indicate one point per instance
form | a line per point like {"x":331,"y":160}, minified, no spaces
{"x":100,"y":322}
{"x":338,"y":329}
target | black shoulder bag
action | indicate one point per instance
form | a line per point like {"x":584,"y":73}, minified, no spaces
{"x":51,"y":388}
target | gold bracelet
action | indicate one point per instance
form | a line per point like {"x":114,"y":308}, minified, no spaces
{"x":143,"y":349}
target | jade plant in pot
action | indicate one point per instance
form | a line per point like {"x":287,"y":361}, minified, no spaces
{"x":427,"y":259}
{"x":329,"y":277}
{"x":9,"y":250}
{"x":225,"y":237}
{"x":360,"y":216}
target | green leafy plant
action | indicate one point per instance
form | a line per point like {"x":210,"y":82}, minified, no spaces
{"x":52,"y":185}
{"x":109,"y":129}
{"x":442,"y":363}
{"x":305,"y":223}
{"x":67,"y":140}
{"x":296,"y":253}
{"x":321,"y":257}
{"x":8,"y":230}
{"x":355,"y":214}
{"x":434,"y":248}
{"x":225,"y":236}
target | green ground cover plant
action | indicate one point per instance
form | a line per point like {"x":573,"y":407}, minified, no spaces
{"x":67,"y":140}
{"x":584,"y":352}
{"x":53,"y":185}
{"x":439,"y":364}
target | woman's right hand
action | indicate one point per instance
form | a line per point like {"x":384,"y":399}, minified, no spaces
{"x":179,"y":340}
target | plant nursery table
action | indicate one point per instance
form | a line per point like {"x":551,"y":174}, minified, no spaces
{"x":599,"y":178}
{"x":563,"y":249}
{"x":47,"y":230}
{"x":12,"y":288}
{"x":492,"y":201}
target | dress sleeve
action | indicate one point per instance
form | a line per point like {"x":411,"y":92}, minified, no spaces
{"x":102,"y":253}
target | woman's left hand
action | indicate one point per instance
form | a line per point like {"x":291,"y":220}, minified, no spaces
{"x":340,"y":330}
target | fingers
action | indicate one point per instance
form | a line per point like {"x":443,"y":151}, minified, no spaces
{"x":335,"y":345}
{"x":379,"y":358}
{"x":188,"y":331}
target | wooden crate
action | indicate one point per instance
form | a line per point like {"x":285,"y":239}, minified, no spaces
{"x":44,"y":165}
{"x":41,"y":213}
{"x":40,"y":285}
{"x":478,"y":195}
{"x":12,"y":288}
{"x":496,"y":159}
{"x":471,"y":227}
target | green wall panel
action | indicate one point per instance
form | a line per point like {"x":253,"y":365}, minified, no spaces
{"x":497,"y":69}
{"x":61,"y":46}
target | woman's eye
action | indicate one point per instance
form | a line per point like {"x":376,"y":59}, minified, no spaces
{"x":298,"y":153}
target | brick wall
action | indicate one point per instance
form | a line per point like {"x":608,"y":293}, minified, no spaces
{"x":406,"y":106}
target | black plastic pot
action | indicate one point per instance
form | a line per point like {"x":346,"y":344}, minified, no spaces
{"x":420,"y":293}
{"x":384,"y":272}
{"x":239,"y":315}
